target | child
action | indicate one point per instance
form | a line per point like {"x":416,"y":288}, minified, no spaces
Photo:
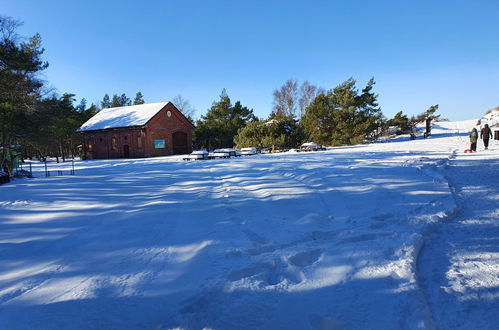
{"x":473,"y":139}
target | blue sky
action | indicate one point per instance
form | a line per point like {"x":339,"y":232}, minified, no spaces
{"x":420,"y":52}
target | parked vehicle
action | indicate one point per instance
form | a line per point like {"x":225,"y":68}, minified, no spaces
{"x":232,"y":152}
{"x":248,"y":151}
{"x":311,"y":146}
{"x":219,"y":153}
{"x":197,"y":155}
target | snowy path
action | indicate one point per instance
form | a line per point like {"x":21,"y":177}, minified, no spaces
{"x":459,"y":264}
{"x":323,"y":240}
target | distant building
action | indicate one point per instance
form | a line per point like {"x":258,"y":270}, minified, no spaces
{"x":145,"y":130}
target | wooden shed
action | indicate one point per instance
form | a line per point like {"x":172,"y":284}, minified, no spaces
{"x":145,"y":130}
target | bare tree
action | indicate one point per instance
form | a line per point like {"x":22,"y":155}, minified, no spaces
{"x":184,"y":106}
{"x":288,"y":99}
{"x":308,"y":92}
{"x":285,"y":98}
{"x":8,"y":27}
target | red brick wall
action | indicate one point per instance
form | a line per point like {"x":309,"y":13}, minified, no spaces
{"x":102,"y":143}
{"x":160,"y":127}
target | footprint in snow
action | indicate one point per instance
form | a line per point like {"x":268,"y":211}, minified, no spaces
{"x":306,"y":258}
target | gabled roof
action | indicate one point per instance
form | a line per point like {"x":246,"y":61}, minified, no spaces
{"x":133,"y":115}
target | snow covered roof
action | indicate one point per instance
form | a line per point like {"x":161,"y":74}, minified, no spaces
{"x":134,"y":115}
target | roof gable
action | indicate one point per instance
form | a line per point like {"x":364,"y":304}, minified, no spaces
{"x":133,"y":115}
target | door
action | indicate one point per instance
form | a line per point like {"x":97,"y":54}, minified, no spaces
{"x":126,"y":151}
{"x":179,"y":140}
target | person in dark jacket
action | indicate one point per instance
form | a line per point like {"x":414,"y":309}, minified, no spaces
{"x":486,"y":134}
{"x":473,"y":139}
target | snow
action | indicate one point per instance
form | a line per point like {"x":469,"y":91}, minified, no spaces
{"x":134,"y":115}
{"x":399,"y":234}
{"x":491,"y":118}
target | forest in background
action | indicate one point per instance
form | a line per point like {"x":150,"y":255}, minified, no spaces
{"x":38,"y":122}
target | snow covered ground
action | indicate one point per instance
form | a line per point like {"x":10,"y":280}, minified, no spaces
{"x":401,"y":234}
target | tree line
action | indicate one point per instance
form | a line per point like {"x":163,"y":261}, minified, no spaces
{"x":343,"y":115}
{"x":35,"y":121}
{"x":38,"y":122}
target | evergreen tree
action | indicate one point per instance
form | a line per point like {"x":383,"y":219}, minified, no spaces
{"x":20,"y":64}
{"x":57,"y":123}
{"x":220,"y":125}
{"x":401,"y":121}
{"x":319,"y":119}
{"x":277,"y":132}
{"x":115,"y":102}
{"x":124,"y":100}
{"x":342,"y":116}
{"x":368,"y":116}
{"x":82,"y":106}
{"x":90,"y":112}
{"x":106,"y":102}
{"x":139,"y":99}
{"x":428,"y":114}
{"x":120,"y":101}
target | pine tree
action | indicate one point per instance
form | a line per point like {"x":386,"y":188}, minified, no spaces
{"x":124,"y":101}
{"x":106,"y":102}
{"x":20,"y":63}
{"x":342,"y":116}
{"x":220,"y":125}
{"x":277,"y":132}
{"x":82,"y":106}
{"x":401,"y":121}
{"x":139,"y":99}
{"x":57,"y":123}
{"x":428,"y":114}
{"x":115,"y":101}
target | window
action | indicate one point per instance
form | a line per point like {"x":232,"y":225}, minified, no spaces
{"x":100,"y":139}
{"x":126,"y":137}
{"x":139,"y":142}
{"x":159,"y":144}
{"x":114,"y":145}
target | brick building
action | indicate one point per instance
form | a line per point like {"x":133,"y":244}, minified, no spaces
{"x":145,"y":130}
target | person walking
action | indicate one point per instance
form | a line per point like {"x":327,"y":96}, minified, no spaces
{"x":486,"y":134}
{"x":473,"y":139}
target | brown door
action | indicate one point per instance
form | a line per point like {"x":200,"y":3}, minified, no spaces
{"x":179,"y":140}
{"x":126,"y":151}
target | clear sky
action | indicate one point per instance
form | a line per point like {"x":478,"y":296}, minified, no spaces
{"x":420,"y":52}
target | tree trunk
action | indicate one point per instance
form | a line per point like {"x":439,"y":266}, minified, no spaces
{"x":71,"y":148}
{"x":62,"y":151}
